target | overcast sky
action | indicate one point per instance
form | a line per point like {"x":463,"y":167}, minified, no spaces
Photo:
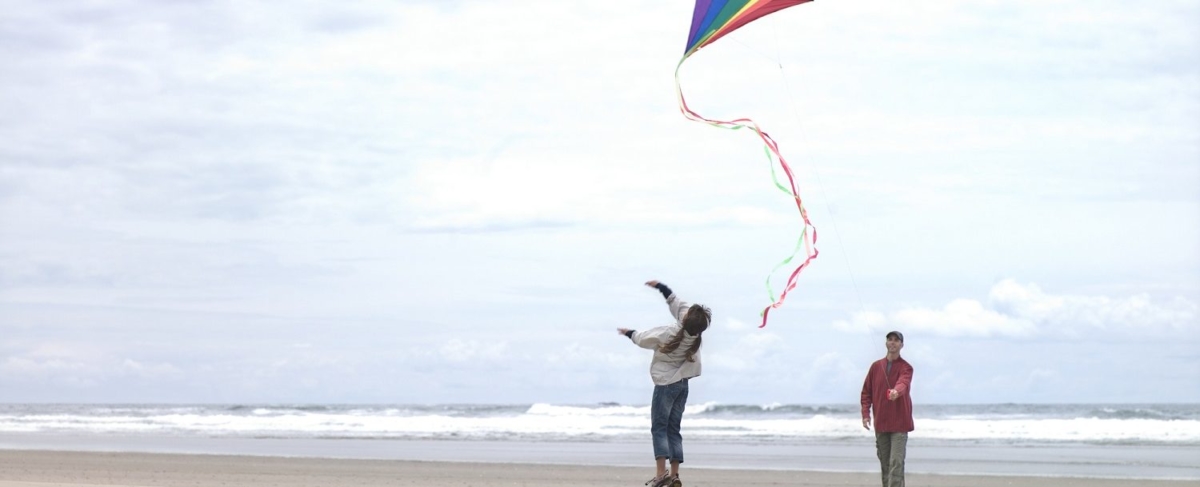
{"x":458,"y":201}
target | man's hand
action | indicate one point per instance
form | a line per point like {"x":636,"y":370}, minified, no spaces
{"x":652,"y":283}
{"x":893,"y":394}
{"x":867,"y":423}
{"x":622,"y":331}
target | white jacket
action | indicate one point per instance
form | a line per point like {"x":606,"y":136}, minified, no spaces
{"x":669,"y":368}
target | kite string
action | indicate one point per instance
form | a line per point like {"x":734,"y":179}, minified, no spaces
{"x":808,"y":239}
{"x":820,"y":184}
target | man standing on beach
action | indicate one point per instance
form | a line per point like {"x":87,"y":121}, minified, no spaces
{"x":886,"y":390}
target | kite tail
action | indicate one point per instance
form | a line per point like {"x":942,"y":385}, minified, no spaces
{"x":808,"y":232}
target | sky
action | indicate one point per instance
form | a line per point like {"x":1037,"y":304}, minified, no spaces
{"x":450,"y":201}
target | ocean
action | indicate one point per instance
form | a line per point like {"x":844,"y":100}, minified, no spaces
{"x":1097,"y":440}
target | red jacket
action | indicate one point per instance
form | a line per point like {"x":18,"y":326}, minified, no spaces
{"x":890,"y":416}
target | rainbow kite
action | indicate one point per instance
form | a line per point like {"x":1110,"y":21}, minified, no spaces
{"x":711,"y":20}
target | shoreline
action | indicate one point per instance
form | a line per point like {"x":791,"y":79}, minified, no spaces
{"x":1136,"y":463}
{"x":20,"y":468}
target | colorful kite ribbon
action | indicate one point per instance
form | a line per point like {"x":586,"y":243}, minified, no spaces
{"x":711,"y":20}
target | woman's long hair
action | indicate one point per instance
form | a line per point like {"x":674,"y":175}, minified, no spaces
{"x":694,"y":323}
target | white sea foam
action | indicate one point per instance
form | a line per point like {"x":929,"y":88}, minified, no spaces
{"x":549,"y":421}
{"x":579,"y":411}
{"x":1077,"y":429}
{"x":693,"y":409}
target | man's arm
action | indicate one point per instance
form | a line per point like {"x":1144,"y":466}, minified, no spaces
{"x":902,"y":383}
{"x":865,"y":400}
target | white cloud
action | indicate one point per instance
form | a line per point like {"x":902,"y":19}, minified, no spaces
{"x":1023,"y":311}
{"x":833,"y":371}
{"x":27,"y":367}
{"x":456,"y":350}
{"x":533,"y":185}
{"x":862,"y":322}
{"x":80,"y":366}
{"x":1081,"y":315}
{"x":151,"y":370}
{"x":734,"y":324}
{"x":751,"y":351}
{"x":961,"y":317}
{"x":586,"y":358}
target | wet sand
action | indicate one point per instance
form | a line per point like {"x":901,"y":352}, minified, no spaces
{"x":19,"y":468}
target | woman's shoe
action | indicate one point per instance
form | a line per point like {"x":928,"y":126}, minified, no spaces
{"x":663,"y":480}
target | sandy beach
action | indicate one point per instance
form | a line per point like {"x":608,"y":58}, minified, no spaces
{"x":53,"y":469}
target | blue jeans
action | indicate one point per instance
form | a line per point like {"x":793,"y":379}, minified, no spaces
{"x":666,"y":412}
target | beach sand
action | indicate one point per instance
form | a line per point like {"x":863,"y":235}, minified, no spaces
{"x":20,"y":468}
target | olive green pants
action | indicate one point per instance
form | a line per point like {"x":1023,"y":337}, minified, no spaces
{"x":891,"y":448}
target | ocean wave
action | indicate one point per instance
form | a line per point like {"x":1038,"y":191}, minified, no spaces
{"x":585,"y":411}
{"x":544,"y":421}
{"x":1140,"y":413}
{"x":774,"y":409}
